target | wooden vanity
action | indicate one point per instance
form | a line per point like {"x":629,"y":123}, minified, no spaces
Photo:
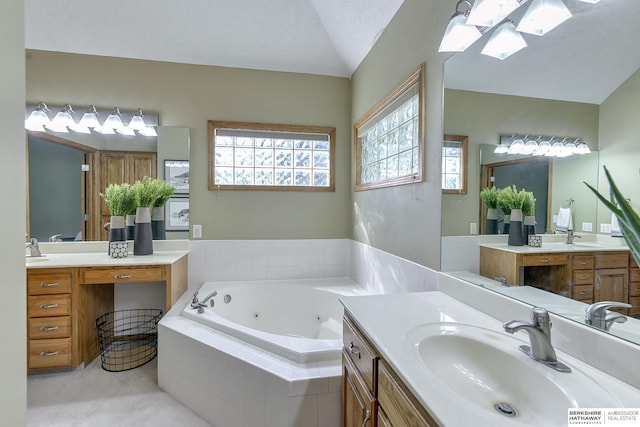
{"x":372,"y":393}
{"x":587,"y":275}
{"x":65,"y":298}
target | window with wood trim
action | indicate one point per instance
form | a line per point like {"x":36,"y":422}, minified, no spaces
{"x":454,"y":164}
{"x":254,"y":156}
{"x":388,"y":143}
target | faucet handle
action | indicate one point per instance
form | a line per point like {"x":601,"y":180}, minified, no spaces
{"x":539,"y":316}
{"x":599,"y":308}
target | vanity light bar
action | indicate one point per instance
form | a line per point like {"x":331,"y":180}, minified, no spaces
{"x":92,"y":120}
{"x":541,"y":145}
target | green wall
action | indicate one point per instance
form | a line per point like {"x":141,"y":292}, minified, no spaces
{"x":188,"y":96}
{"x":405,"y":220}
{"x":13,"y":311}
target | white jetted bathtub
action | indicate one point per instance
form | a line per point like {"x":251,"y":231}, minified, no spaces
{"x":300,"y":320}
{"x":270,"y":355}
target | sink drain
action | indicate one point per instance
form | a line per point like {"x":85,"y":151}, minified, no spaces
{"x":505,"y":409}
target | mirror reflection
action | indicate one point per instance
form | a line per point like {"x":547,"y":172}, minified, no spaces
{"x":579,"y":80}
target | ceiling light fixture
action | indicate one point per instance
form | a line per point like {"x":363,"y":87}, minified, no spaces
{"x":90,"y":118}
{"x":62,"y":120}
{"x":38,"y":118}
{"x":114,"y":121}
{"x":459,"y":35}
{"x":504,"y":42}
{"x":487,"y":13}
{"x":137,"y":121}
{"x":541,"y":146}
{"x":543,"y":16}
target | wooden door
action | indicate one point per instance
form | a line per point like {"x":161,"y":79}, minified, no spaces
{"x":113,"y":170}
{"x":141,"y":165}
{"x":612,"y":285}
{"x":358,"y":406}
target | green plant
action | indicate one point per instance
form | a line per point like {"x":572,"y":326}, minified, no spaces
{"x":489,"y":197}
{"x":627,"y":218}
{"x":145,"y":191}
{"x":528,"y":203}
{"x":163,"y":191}
{"x":509,"y":199}
{"x":119,"y":199}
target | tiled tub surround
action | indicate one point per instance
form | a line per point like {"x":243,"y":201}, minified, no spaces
{"x":232,"y":383}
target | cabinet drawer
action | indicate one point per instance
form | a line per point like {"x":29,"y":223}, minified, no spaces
{"x":582,"y":292}
{"x":619,"y":260}
{"x":632,"y":262}
{"x":120,"y":275}
{"x":50,"y":327}
{"x":396,"y":403}
{"x":634,"y":289}
{"x":583,"y":277}
{"x":544,"y":259}
{"x":53,"y":353}
{"x":49,"y":305}
{"x":634,"y":275}
{"x":48,"y":283}
{"x":361,"y":355}
{"x":583,"y":262}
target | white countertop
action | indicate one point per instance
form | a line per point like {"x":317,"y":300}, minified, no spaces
{"x":101,"y":259}
{"x":552,"y":247}
{"x":386,"y":319}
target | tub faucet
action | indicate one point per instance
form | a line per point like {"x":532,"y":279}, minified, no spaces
{"x":201,"y":305}
{"x":596,"y":314}
{"x":34,"y":249}
{"x":539,"y":331}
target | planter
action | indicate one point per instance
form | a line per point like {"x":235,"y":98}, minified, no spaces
{"x":529,"y":228}
{"x":130,"y":221}
{"x":143,"y":238}
{"x":515,"y":229}
{"x":116,"y":230}
{"x":158,"y":224}
{"x":492,"y":221}
{"x":506,"y":222}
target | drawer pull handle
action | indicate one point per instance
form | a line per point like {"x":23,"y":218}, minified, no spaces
{"x":367,"y":417}
{"x":583,"y":292}
{"x":49,"y":329}
{"x":47,"y":306}
{"x":544,"y":260}
{"x":584,"y":262}
{"x":122,"y":276}
{"x":48,"y":285}
{"x":354,"y":350}
{"x":583,"y":277}
{"x":51,"y":354}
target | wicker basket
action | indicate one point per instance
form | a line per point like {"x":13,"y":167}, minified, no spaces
{"x":128,"y":338}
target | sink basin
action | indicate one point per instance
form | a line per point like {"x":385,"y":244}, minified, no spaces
{"x":32,"y":260}
{"x":482,"y":373}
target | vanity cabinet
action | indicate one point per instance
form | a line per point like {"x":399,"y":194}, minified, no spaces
{"x":634,"y":287}
{"x":50,"y":319}
{"x":372,"y":393}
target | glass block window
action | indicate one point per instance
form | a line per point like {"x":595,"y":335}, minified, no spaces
{"x":251,"y":156}
{"x":388,"y":139}
{"x":454,"y":164}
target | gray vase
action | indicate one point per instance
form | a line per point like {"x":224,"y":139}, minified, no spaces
{"x":130,"y":221}
{"x":157,"y":224}
{"x":143,"y":237}
{"x":515,"y":228}
{"x":492,"y":221}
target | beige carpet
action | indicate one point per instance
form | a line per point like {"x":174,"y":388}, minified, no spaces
{"x":95,"y":398}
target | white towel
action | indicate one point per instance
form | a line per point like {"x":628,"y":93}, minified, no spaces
{"x":615,"y":227}
{"x":565,"y":220}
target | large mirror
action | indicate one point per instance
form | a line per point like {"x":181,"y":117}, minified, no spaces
{"x":62,"y":200}
{"x":579,"y":80}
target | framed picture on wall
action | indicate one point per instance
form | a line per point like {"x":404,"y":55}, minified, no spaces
{"x":176,"y":173}
{"x":176,"y":214}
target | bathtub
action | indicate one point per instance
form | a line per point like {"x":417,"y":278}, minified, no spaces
{"x":300,"y":320}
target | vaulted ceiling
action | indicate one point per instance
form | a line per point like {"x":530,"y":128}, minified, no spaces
{"x":329,"y":37}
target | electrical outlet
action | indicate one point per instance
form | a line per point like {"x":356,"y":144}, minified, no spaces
{"x":473,"y":228}
{"x":197,"y":231}
{"x":587,"y":226}
{"x":605,"y":228}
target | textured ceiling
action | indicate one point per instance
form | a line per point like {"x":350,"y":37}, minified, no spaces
{"x":329,"y":37}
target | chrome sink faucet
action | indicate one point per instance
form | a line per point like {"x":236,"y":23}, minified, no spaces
{"x":570,"y":236}
{"x":539,"y":331}
{"x":34,"y":249}
{"x":596,"y":314}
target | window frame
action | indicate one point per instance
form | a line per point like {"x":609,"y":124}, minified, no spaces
{"x":212,"y":125}
{"x":464,"y":140}
{"x":374,"y":115}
